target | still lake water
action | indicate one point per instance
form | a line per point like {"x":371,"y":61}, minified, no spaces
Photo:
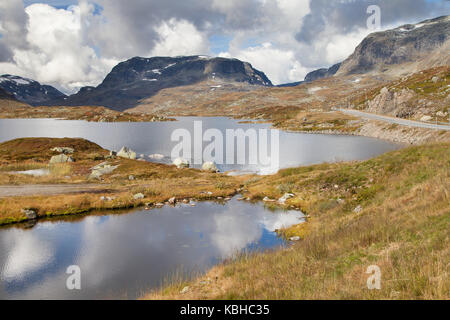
{"x":296,"y":149}
{"x":124,"y":255}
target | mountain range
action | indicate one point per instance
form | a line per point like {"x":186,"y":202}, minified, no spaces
{"x":403,"y":50}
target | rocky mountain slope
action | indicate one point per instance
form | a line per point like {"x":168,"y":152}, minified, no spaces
{"x":414,"y":47}
{"x":29,"y":91}
{"x":141,"y":78}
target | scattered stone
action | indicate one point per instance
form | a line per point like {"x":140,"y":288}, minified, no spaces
{"x":435,"y":79}
{"x":127,"y":153}
{"x":286,"y":196}
{"x":358,"y":209}
{"x":440,"y":114}
{"x":30,"y":213}
{"x":426,"y":118}
{"x":138,"y":196}
{"x":185,"y":290}
{"x":172,"y":200}
{"x":267,"y":199}
{"x":227,"y":199}
{"x":61,"y":158}
{"x":340,"y":201}
{"x":336,"y":186}
{"x":101,"y":169}
{"x":131,"y":177}
{"x":210,"y":166}
{"x":181,"y":163}
{"x":193,"y":204}
{"x":219,"y":198}
{"x":296,"y":238}
{"x":65,"y":150}
{"x":159,"y":205}
{"x":186,"y":201}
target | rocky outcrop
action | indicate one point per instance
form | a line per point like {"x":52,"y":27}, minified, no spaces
{"x":139,"y":78}
{"x":127,"y":153}
{"x":61,"y":158}
{"x":391,"y":102}
{"x":29,"y":91}
{"x":103,"y":168}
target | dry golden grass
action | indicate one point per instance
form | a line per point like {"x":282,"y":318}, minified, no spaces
{"x":402,"y":228}
{"x":157,"y":182}
{"x":16,"y":110}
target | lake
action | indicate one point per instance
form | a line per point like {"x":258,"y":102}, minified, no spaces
{"x":295,"y":149}
{"x":124,"y":255}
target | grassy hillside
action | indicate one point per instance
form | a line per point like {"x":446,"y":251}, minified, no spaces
{"x":402,"y":227}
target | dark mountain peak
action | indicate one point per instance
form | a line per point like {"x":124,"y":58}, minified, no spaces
{"x":138,"y":78}
{"x":322,"y":73}
{"x":27,"y":90}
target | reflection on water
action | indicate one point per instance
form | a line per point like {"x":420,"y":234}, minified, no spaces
{"x":154,"y":138}
{"x":121,"y":256}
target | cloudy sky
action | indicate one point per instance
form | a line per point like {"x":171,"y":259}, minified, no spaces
{"x":73,"y":43}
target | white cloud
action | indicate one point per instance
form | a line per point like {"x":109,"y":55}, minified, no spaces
{"x":78,"y":46}
{"x":56,"y":51}
{"x":179,"y":38}
{"x":279,"y":65}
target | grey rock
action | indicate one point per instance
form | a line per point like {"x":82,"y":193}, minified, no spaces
{"x":29,"y":213}
{"x":61,"y":158}
{"x":181,"y":163}
{"x":126,"y":153}
{"x":138,"y":196}
{"x":210,"y":166}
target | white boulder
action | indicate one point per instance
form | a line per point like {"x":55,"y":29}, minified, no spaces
{"x":181,"y":163}
{"x":210,"y":166}
{"x":61,"y":158}
{"x":127,"y":153}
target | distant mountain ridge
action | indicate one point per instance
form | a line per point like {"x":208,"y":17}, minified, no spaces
{"x":29,"y":91}
{"x":426,"y":44}
{"x":139,"y":78}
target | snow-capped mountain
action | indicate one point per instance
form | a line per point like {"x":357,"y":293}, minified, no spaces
{"x":29,"y":91}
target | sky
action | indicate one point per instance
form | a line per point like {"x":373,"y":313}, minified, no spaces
{"x":74,"y":43}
